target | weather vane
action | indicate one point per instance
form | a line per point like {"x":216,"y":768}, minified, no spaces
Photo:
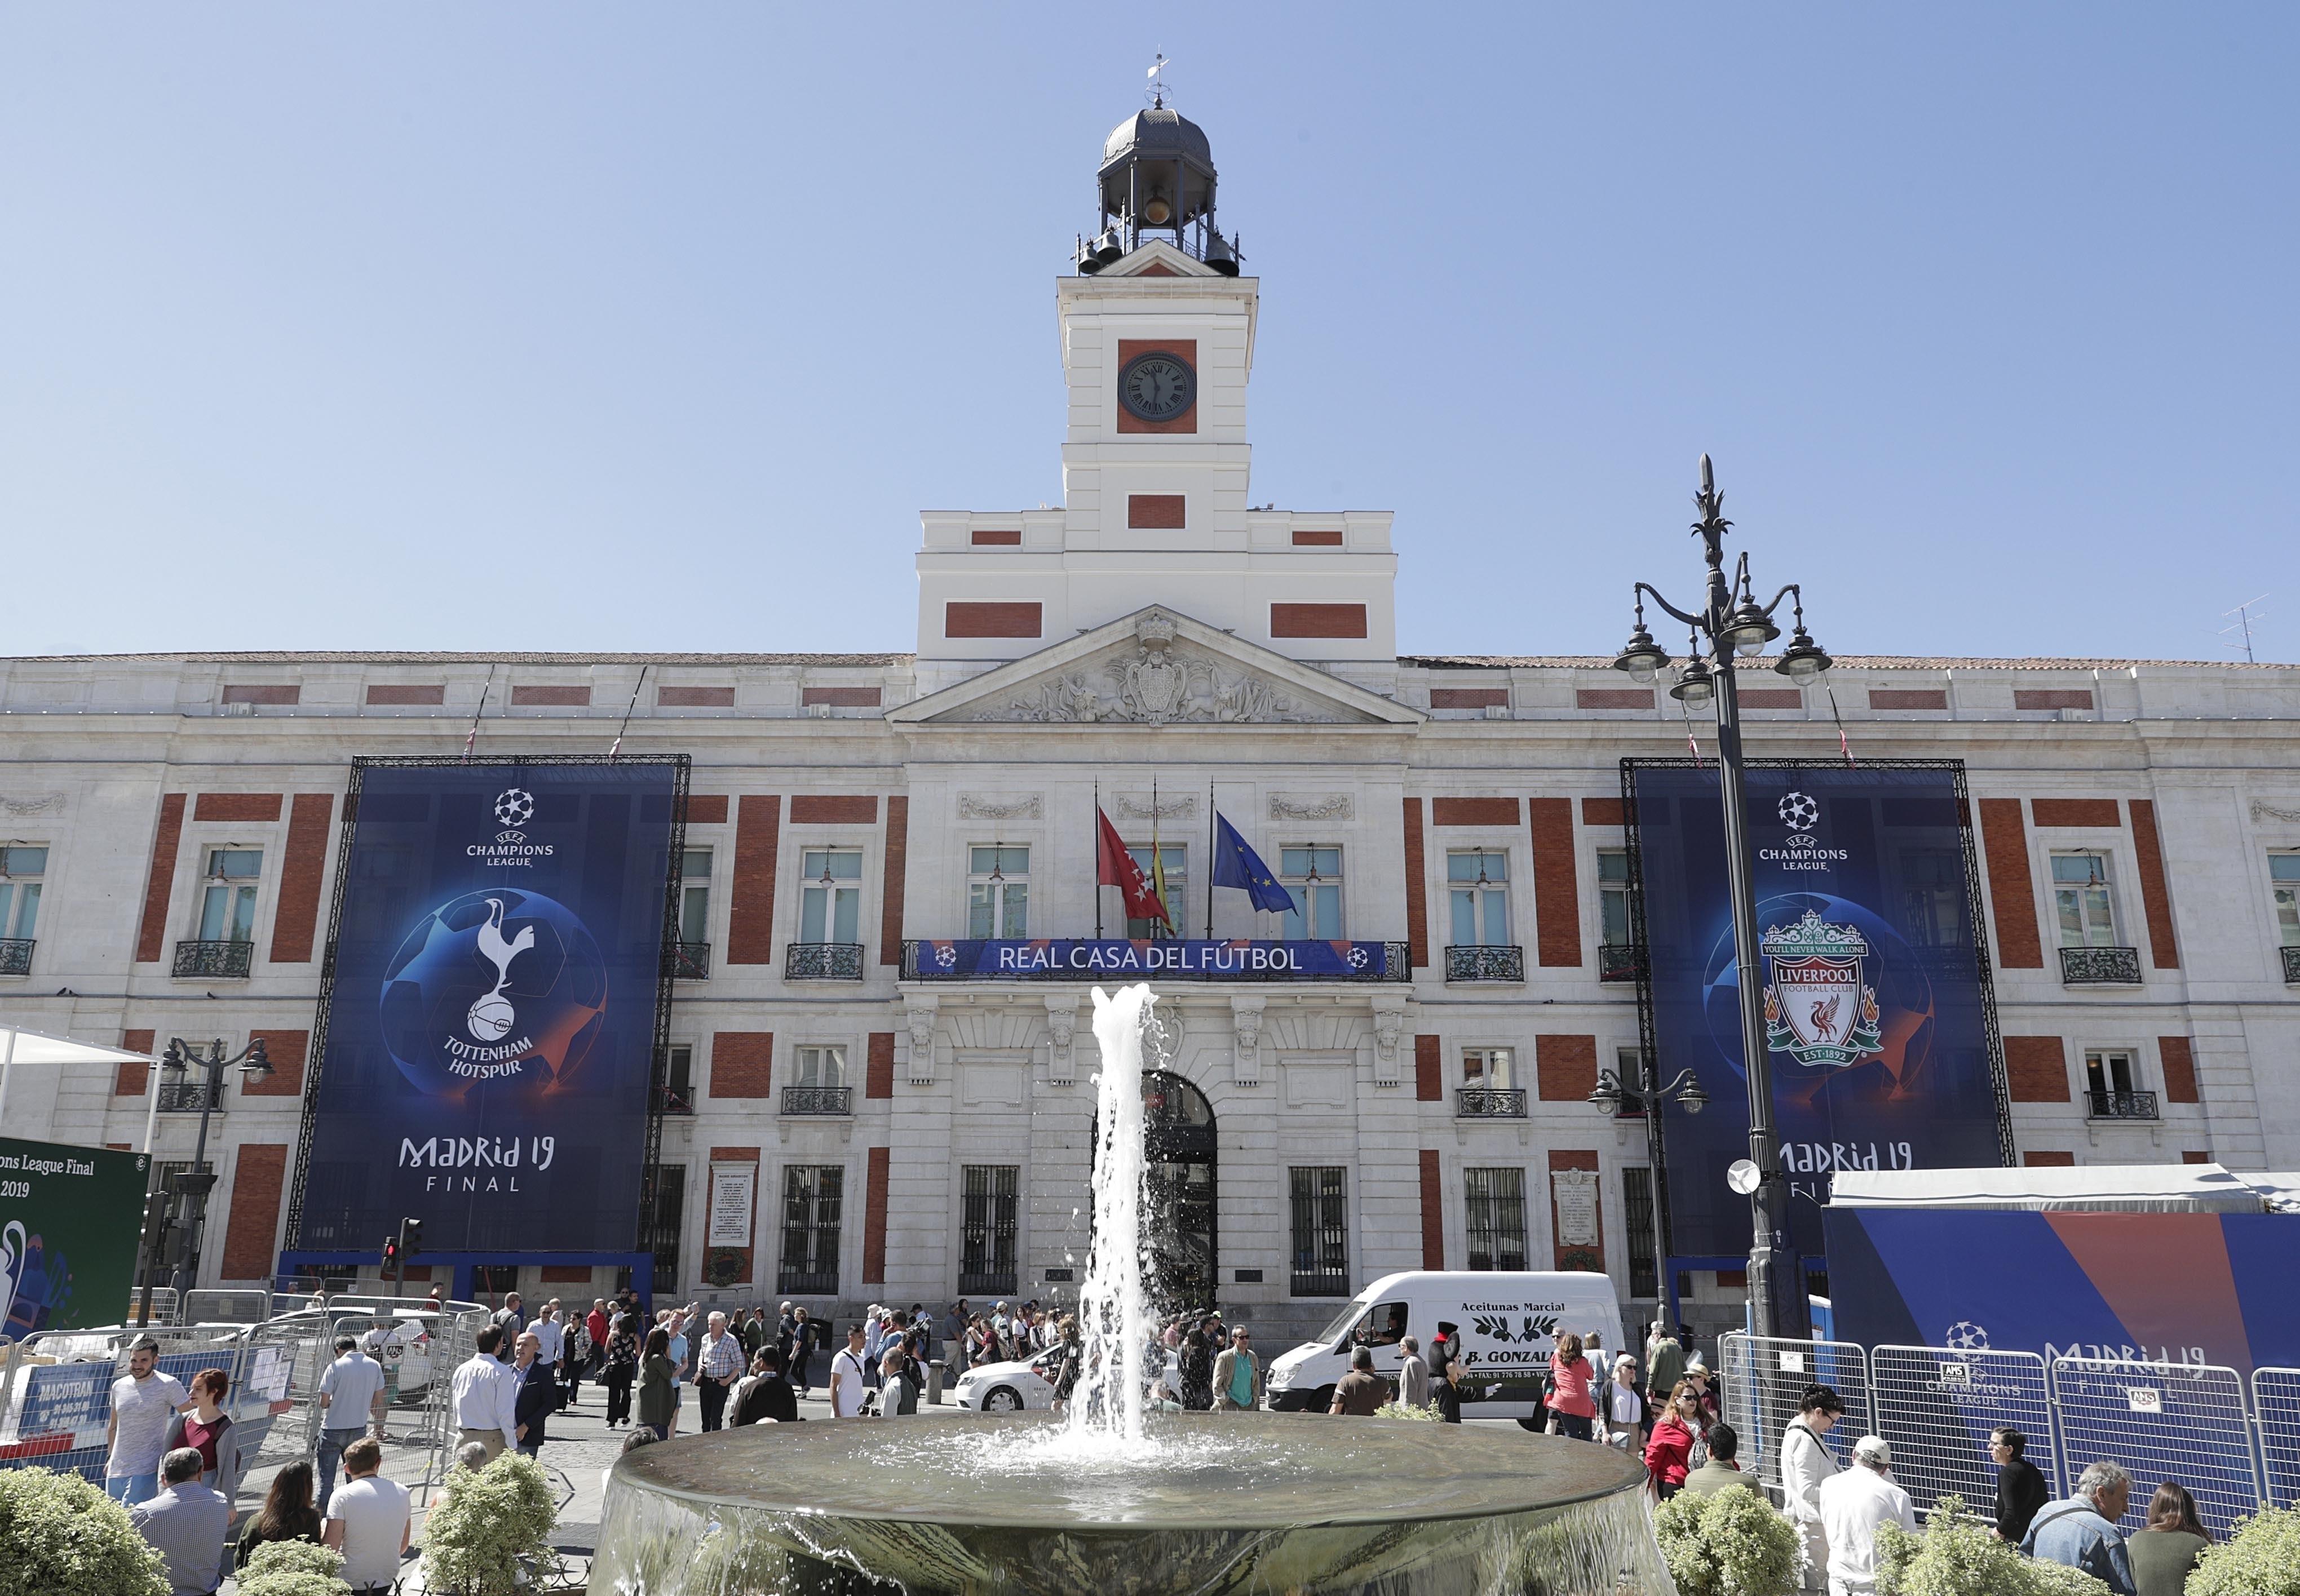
{"x":1158,"y":82}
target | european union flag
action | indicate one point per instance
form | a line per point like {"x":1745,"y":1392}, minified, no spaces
{"x":1240,"y":866}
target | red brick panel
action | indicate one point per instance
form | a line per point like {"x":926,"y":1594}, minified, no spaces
{"x":1185,"y":350}
{"x":152,"y":938}
{"x":890,"y":898}
{"x":2074,"y":812}
{"x":1908,"y":698}
{"x":554,"y":1274}
{"x":1603,"y":811}
{"x":1469,"y":698}
{"x":1613,"y":698}
{"x":2049,"y":1160}
{"x":303,"y":878}
{"x":879,"y":1077}
{"x":694,"y":698}
{"x":1771,"y":698}
{"x":984,"y":618}
{"x":1317,"y":620}
{"x":255,"y":1187}
{"x":1566,"y":1068}
{"x":706,"y":809}
{"x":2190,"y":1156}
{"x":287,"y":1051}
{"x":830,"y":809}
{"x":2156,"y":892}
{"x":1417,"y":888}
{"x":548,"y":696}
{"x":1317,"y":537}
{"x":1575,"y":1158}
{"x":874,"y":1220}
{"x":1429,"y":1069}
{"x":742,"y":1064}
{"x":997,"y":537}
{"x":2051,"y":698}
{"x":742,"y":1155}
{"x":407,"y":693}
{"x":1473,"y":812}
{"x":1556,"y":883}
{"x":264,"y":692}
{"x":751,"y":908}
{"x":1433,"y":1211}
{"x":2179,"y":1069}
{"x":844,"y":698}
{"x":2004,"y":845}
{"x":2036,"y":1070}
{"x":244,"y":806}
{"x":1154,"y":512}
{"x":135,"y":1075}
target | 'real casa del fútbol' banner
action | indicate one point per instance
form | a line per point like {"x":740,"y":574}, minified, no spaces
{"x":497,"y":989}
{"x":1880,"y":1018}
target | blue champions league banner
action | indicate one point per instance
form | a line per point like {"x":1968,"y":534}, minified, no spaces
{"x":1241,"y":959}
{"x":1878,"y":1005}
{"x":485,"y":1044}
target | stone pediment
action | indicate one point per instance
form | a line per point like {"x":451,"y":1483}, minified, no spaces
{"x":1155,"y":668}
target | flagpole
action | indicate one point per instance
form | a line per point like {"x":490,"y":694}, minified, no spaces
{"x":1209,"y":858}
{"x":1157,"y":863}
{"x":1097,"y":859}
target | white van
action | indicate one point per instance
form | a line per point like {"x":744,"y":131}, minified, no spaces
{"x":1508,"y":1324}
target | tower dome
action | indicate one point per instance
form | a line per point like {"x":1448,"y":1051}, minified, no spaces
{"x":1157,"y":177}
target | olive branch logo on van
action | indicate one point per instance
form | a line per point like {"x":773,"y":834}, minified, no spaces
{"x":1496,"y":1328}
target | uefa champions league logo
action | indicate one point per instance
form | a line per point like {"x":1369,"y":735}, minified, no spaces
{"x":515,"y":806}
{"x":1965,"y":1336}
{"x":1799,"y":812}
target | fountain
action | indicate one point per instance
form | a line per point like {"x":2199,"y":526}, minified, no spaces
{"x":1112,"y":1497}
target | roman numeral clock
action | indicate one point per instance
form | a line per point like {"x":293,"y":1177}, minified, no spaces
{"x":1157,"y":385}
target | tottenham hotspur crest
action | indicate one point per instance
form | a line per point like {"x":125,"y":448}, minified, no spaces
{"x":1818,"y":1010}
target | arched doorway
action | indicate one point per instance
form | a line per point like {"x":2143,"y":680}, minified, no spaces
{"x":1182,"y":1268}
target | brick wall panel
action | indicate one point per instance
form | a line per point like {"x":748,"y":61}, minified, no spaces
{"x":257,"y":1182}
{"x":2036,"y":1070}
{"x":2051,"y":698}
{"x":2012,"y":891}
{"x":134,"y":1076}
{"x":1603,"y":811}
{"x":879,"y":1077}
{"x":247,"y":808}
{"x":407,"y":693}
{"x":874,"y":1218}
{"x":2155,"y":890}
{"x":890,"y":898}
{"x":275,"y":693}
{"x":1457,"y":698}
{"x":1317,"y":620}
{"x":2179,"y":1061}
{"x":1556,"y":883}
{"x":1566,"y":1068}
{"x":706,"y":809}
{"x":303,"y":878}
{"x":1187,"y":350}
{"x":694,"y":698}
{"x":989,"y":619}
{"x":1429,"y":1069}
{"x":1613,"y":698}
{"x":2074,"y":812}
{"x":1433,"y":1211}
{"x":550,"y":695}
{"x":152,"y":938}
{"x":1473,"y":812}
{"x":1908,"y":698}
{"x":1317,"y":537}
{"x":833,"y":808}
{"x":996,"y":537}
{"x":846,"y":698}
{"x":1155,"y":512}
{"x":751,"y":908}
{"x":288,"y":1052}
{"x":2049,"y":1160}
{"x":1417,"y":889}
{"x":742,"y":1064}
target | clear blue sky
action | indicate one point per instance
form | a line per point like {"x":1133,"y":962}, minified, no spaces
{"x":582,"y":326}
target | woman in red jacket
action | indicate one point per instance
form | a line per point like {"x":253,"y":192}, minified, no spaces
{"x":1669,"y":1452}
{"x":1570,"y":1377}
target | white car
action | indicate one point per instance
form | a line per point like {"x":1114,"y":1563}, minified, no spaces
{"x":1029,"y":1384}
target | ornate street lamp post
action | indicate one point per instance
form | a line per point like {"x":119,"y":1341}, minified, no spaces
{"x":193,"y":1184}
{"x":1687,"y":1093}
{"x":1731,"y":623}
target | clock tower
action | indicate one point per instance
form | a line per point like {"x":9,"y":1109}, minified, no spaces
{"x":1157,"y":330}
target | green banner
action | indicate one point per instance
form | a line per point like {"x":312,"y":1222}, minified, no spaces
{"x":71,"y":1219}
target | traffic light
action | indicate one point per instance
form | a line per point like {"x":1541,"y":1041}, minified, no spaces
{"x":411,"y":1238}
{"x":390,"y":1253}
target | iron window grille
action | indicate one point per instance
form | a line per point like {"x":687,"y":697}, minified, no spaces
{"x":2291,"y":966}
{"x":188,"y":1097}
{"x":822,"y":961}
{"x":675,"y":1090}
{"x":1321,"y":1239}
{"x":2120,"y":1105}
{"x":1637,"y":1216}
{"x":15,"y":956}
{"x":690,"y":960}
{"x":1490,"y":1102}
{"x":818,"y":1099}
{"x":665,"y":1203}
{"x":1621,"y":961}
{"x":215,"y":961}
{"x":1485,"y":962}
{"x":2100,"y":966}
{"x":1495,"y":1214}
{"x":812,"y":1198}
{"x":986,"y":1265}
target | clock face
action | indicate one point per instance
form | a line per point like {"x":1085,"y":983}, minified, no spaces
{"x":1157,"y":387}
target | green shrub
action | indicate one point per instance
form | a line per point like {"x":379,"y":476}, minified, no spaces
{"x":1728,"y":1542}
{"x":486,"y":1525}
{"x":293,"y":1569}
{"x":2260,"y":1558}
{"x":1956,"y":1556}
{"x":61,"y":1536}
{"x":1405,"y":1411}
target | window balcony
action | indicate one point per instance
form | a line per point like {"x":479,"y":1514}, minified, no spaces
{"x":1621,"y":961}
{"x":822,"y":961}
{"x":1490,"y":1102}
{"x":215,"y":960}
{"x":2120,"y":1105}
{"x":2292,"y":966}
{"x":1319,"y":1283}
{"x":1485,"y":963}
{"x":690,"y":960}
{"x":16,"y":956}
{"x":188,"y":1097}
{"x":673,"y":1099}
{"x":806,"y":1283}
{"x":818,"y":1101}
{"x":987,"y":1283}
{"x":2100,"y":966}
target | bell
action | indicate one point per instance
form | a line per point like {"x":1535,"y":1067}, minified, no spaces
{"x":1220,"y":255}
{"x":1088,"y":260}
{"x":1109,"y":247}
{"x":1158,"y":211}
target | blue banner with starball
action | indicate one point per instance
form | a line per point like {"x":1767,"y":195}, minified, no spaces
{"x":497,"y":988}
{"x":1878,"y":1012}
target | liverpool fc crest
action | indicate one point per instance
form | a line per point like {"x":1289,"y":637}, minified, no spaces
{"x":1818,"y":1011}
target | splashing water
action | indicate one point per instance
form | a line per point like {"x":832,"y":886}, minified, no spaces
{"x":1113,"y":1314}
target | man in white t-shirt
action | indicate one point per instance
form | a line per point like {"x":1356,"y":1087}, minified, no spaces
{"x":368,"y":1520}
{"x":847,"y":1379}
{"x":142,"y":1404}
{"x":1853,"y":1504}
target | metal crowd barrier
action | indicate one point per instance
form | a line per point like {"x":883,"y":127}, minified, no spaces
{"x":2236,"y":1447}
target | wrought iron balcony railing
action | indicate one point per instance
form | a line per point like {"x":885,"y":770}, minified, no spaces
{"x":2120,"y":1105}
{"x":15,"y":956}
{"x":1485,"y":963}
{"x":690,"y":960}
{"x":1619,"y":961}
{"x":1319,"y":1283}
{"x":224,"y":960}
{"x":1490,"y":1102}
{"x":822,"y":961}
{"x":2292,"y":967}
{"x":818,"y":1099}
{"x":987,"y":1283}
{"x":184,"y":1097}
{"x":2100,"y":966}
{"x":808,"y":1283}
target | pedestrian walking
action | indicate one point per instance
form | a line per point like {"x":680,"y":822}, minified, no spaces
{"x":1723,"y":1468}
{"x":1236,"y":1377}
{"x":2020,"y":1488}
{"x":1624,"y":1408}
{"x":622,"y":1369}
{"x":768,"y":1396}
{"x":2080,"y":1532}
{"x":207,"y":1429}
{"x":1358,"y":1394}
{"x":1807,"y":1464}
{"x":2164,"y":1551}
{"x":1194,"y":1369}
{"x":288,"y":1512}
{"x":511,"y":1318}
{"x":367,"y":1520}
{"x":1413,"y":1375}
{"x":1569,"y":1379}
{"x":143,"y":1402}
{"x":1853,"y":1503}
{"x":805,"y":1341}
{"x":848,"y":1383}
{"x":1445,"y":1375}
{"x":954,"y":1340}
{"x":351,"y":1393}
{"x":658,"y":1384}
{"x":682,"y":1360}
{"x":184,"y":1521}
{"x":1664,"y":1363}
{"x":537,"y":1396}
{"x":1668,"y":1449}
{"x":718,"y":1363}
{"x":898,"y":1393}
{"x":485,"y":1394}
{"x":597,"y":1325}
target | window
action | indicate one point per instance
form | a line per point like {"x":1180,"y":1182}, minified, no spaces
{"x":1496,"y":1217}
{"x":1321,"y":1237}
{"x":811,"y":1194}
{"x":831,"y":905}
{"x":1175,"y":857}
{"x":1313,"y":875}
{"x":1479,"y":883}
{"x":2108,"y":1070}
{"x":1932,"y":889}
{"x":821,"y":1067}
{"x":998,"y":892}
{"x":1629,"y":1067}
{"x":695,"y":895}
{"x":1495,"y":1066}
{"x":1638,"y":1215}
{"x":227,"y":906}
{"x":2080,"y":893}
{"x":1382,"y":1325}
{"x":985,"y":1260}
{"x":2283,"y":875}
{"x":678,"y":1079}
{"x":21,"y":870}
{"x":1614,"y":897}
{"x":662,"y":1226}
{"x":176,"y":1241}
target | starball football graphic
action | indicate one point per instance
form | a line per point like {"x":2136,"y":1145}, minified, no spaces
{"x":497,"y":985}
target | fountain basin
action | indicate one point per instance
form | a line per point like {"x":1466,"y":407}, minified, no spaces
{"x":1206,"y":1503}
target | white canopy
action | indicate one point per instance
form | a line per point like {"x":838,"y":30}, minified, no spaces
{"x":35,"y":1047}
{"x":2094,"y":1188}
